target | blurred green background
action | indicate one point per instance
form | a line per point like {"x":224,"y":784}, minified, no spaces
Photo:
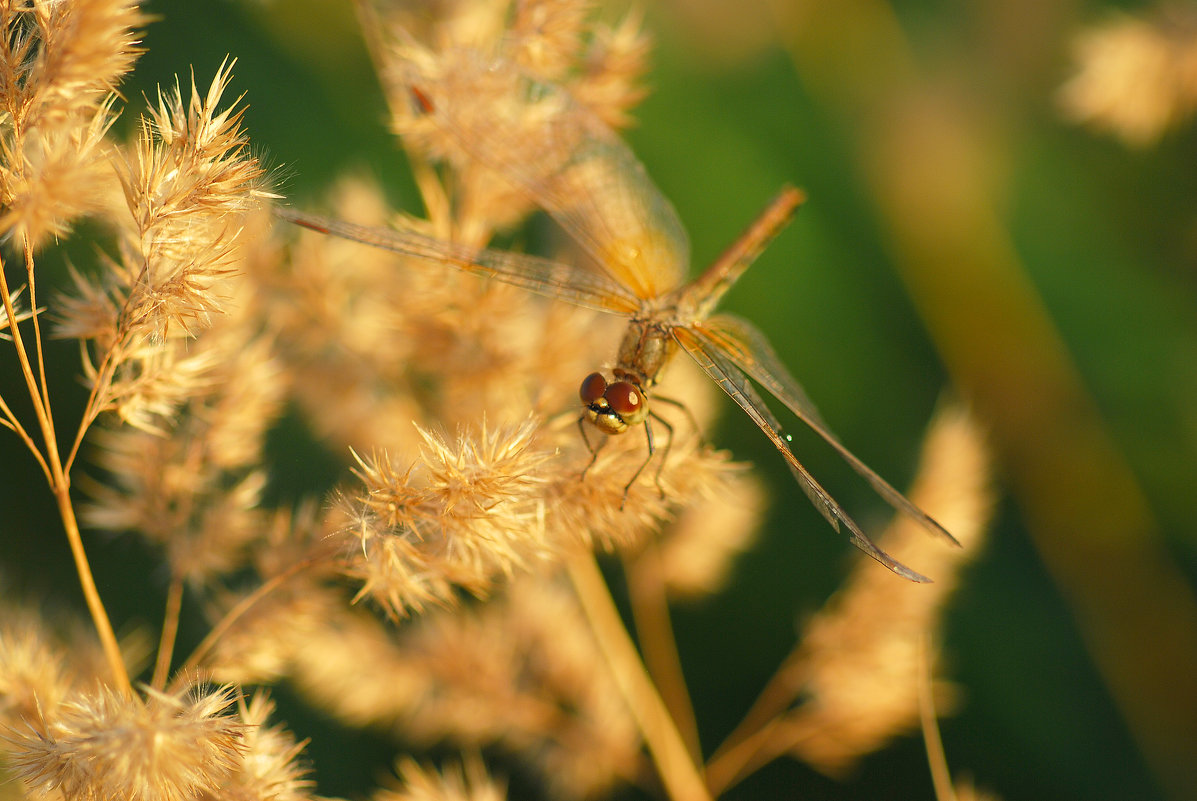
{"x":959,"y":234}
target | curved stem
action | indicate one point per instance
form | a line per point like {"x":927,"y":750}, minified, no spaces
{"x":740,"y":759}
{"x":18,"y":342}
{"x":99,"y":615}
{"x":170,"y":630}
{"x":10,"y":421}
{"x":681,"y":777}
{"x":239,"y":609}
{"x":941,"y":777}
{"x":757,"y":724}
{"x":37,"y":335}
{"x":60,"y":482}
{"x":654,"y":630}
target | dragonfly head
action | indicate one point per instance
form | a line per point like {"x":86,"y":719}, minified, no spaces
{"x":613,"y":407}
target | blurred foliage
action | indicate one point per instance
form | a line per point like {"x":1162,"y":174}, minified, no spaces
{"x":960,"y":236}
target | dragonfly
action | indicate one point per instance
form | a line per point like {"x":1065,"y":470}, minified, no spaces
{"x":574,"y":167}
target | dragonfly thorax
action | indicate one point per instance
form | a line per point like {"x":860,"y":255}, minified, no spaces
{"x":647,"y":347}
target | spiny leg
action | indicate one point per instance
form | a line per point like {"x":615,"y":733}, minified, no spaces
{"x":664,"y":451}
{"x":594,"y":452}
{"x":686,"y":411}
{"x":648,"y":433}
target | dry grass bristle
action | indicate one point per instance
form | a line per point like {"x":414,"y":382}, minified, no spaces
{"x":104,"y":744}
{"x":1136,"y":77}
{"x":60,"y":64}
{"x":472,"y":511}
{"x":468,"y":781}
{"x":193,"y":486}
{"x":187,"y":185}
{"x":268,"y":767}
{"x":21,"y":315}
{"x":34,"y":674}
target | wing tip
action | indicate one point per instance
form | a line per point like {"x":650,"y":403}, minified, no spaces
{"x":892,"y":564}
{"x":937,"y":528}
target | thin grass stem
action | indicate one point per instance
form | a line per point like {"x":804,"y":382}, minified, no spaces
{"x":654,"y":631}
{"x":31,"y":282}
{"x":238,"y":611}
{"x":170,"y":630}
{"x":95,"y":606}
{"x":679,"y":774}
{"x":941,"y":778}
{"x":60,"y":485}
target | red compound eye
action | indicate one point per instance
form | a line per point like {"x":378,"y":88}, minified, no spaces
{"x":593,"y":387}
{"x":625,"y":398}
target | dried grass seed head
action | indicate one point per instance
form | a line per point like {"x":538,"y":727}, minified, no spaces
{"x":59,"y":66}
{"x":34,"y":674}
{"x":468,"y":781}
{"x":373,"y":341}
{"x":51,"y":176}
{"x":193,"y":482}
{"x":268,"y":767}
{"x":466,"y":515}
{"x":511,"y":71}
{"x":1136,"y":77}
{"x":187,"y":182}
{"x":349,"y":663}
{"x":105,"y":744}
{"x":60,"y":56}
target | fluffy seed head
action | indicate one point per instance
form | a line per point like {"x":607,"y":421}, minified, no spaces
{"x":107,"y":745}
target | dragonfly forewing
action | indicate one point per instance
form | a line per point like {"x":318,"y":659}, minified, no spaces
{"x":566,"y":159}
{"x":543,"y":276}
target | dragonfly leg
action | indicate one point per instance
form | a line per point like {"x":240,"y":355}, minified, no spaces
{"x":664,"y":451}
{"x":594,"y":452}
{"x":681,"y":405}
{"x":652,"y":449}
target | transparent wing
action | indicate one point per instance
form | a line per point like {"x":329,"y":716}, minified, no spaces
{"x":740,"y":343}
{"x":543,"y":276}
{"x":565,"y":158}
{"x":732,"y":381}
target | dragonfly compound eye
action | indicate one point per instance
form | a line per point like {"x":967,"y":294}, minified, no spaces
{"x":628,"y":401}
{"x":593,"y":387}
